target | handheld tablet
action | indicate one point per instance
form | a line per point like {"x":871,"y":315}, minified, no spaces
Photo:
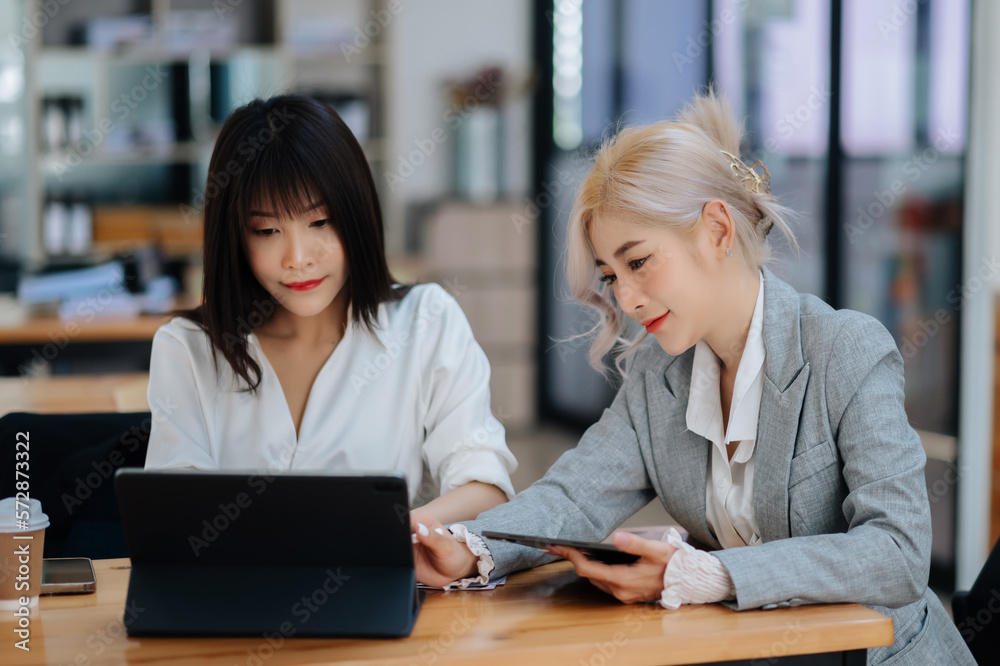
{"x":602,"y":552}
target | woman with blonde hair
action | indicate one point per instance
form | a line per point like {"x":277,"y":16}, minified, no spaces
{"x":770,"y":426}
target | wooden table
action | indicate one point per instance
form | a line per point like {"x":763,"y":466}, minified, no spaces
{"x":66,"y":394}
{"x":547,"y":615}
{"x":49,"y":328}
{"x":995,"y":492}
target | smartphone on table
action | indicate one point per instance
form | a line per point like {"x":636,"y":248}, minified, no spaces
{"x":68,"y":575}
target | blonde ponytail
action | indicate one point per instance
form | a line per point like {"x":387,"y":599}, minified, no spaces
{"x":663,"y":175}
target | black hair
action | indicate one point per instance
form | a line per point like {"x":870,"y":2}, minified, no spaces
{"x":282,"y":154}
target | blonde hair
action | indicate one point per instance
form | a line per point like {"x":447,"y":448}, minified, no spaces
{"x":663,"y":175}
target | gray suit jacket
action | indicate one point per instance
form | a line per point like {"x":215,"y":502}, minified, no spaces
{"x":838,"y":468}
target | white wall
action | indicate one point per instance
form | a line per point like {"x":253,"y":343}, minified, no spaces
{"x":430,"y":41}
{"x":981,"y":244}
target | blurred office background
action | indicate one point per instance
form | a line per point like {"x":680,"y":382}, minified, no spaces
{"x":478,"y":118}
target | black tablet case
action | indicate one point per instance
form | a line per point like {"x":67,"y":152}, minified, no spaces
{"x":306,"y":554}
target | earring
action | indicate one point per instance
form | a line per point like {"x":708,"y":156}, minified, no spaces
{"x":729,"y":252}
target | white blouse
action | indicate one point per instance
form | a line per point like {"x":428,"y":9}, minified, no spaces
{"x":729,"y":501}
{"x":415,"y":393}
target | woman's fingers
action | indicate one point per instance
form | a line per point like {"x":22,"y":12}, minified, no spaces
{"x":438,"y":557}
{"x":629,"y":583}
{"x":584,"y":566}
{"x":436,"y":539}
{"x":436,"y":564}
{"x":656,"y":551}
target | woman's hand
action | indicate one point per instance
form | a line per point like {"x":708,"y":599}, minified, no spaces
{"x":439,"y":559}
{"x":629,"y":583}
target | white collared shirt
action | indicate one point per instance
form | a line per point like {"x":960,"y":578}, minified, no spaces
{"x":415,"y":393}
{"x":729,"y":493}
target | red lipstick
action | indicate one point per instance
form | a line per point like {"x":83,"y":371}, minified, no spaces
{"x":304,"y":286}
{"x":653,"y":325}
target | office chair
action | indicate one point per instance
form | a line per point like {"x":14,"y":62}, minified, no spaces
{"x":72,"y":461}
{"x":977,"y":612}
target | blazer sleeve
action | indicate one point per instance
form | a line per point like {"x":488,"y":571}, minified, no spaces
{"x":884,"y":556}
{"x":585,"y":495}
{"x":179,"y":435}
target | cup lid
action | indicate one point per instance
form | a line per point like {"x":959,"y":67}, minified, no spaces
{"x":12,"y":513}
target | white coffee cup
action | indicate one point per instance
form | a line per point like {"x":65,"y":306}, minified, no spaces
{"x":22,"y":541}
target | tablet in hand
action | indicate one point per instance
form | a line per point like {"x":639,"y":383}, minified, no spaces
{"x":602,"y":552}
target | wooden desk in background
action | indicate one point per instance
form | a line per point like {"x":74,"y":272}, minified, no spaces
{"x":49,"y":328}
{"x":69,"y":394}
{"x":547,"y":615}
{"x":78,"y":347}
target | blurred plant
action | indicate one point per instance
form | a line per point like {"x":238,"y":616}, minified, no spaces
{"x":489,"y":86}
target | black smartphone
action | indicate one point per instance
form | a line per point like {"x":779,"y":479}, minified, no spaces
{"x":68,"y":575}
{"x":602,"y":552}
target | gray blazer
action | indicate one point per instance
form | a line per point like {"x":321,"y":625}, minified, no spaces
{"x":838,"y":468}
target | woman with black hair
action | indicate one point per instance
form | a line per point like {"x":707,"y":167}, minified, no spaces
{"x":306,"y":354}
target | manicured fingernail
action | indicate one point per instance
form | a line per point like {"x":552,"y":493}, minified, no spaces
{"x":413,"y":538}
{"x":439,"y":531}
{"x":422,"y":529}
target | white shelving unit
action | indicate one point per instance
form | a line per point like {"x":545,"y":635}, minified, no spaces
{"x":254,"y":70}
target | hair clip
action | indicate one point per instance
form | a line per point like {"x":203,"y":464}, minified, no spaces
{"x":748,"y":175}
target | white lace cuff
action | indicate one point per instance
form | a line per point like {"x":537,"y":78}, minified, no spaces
{"x":478,"y":547}
{"x":693,"y":576}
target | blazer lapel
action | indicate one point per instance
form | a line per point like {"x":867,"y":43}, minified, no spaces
{"x":785,"y":381}
{"x":680,"y":457}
